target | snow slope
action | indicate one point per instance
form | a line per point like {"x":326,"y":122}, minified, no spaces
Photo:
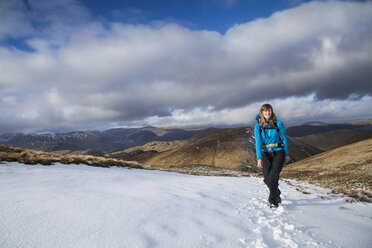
{"x":82,"y":206}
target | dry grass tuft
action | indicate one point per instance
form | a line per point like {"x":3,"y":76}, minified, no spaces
{"x":26,"y":156}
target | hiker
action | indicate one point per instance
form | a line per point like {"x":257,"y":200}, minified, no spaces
{"x":271,"y":150}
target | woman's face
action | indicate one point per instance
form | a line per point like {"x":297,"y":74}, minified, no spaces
{"x":267,"y":113}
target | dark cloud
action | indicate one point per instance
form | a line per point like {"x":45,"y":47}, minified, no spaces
{"x":165,"y":73}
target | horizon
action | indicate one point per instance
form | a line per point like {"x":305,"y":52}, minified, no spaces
{"x":50,"y":131}
{"x":89,"y":65}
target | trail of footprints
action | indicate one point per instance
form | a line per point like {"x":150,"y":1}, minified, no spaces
{"x":270,"y":227}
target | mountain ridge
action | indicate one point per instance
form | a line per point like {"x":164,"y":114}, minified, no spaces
{"x":327,"y":136}
{"x":232,"y":148}
{"x":101,"y":142}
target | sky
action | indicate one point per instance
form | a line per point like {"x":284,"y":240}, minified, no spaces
{"x":84,"y":65}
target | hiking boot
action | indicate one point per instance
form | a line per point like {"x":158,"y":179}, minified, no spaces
{"x":279,"y":200}
{"x":274,"y":205}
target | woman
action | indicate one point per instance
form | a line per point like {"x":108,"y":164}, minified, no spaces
{"x":271,"y":149}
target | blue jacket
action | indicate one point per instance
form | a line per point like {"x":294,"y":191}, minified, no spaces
{"x":271,"y":137}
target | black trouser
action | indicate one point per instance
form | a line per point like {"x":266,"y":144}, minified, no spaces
{"x":272,"y":166}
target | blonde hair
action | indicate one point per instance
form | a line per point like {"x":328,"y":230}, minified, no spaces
{"x":262,"y":120}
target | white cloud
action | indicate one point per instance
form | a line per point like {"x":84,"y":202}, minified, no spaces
{"x":164,"y":73}
{"x":292,"y":110}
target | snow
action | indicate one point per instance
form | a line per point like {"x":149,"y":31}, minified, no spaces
{"x":84,"y":206}
{"x":251,"y":138}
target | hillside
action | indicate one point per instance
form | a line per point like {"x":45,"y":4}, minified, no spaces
{"x":346,"y":169}
{"x":203,"y":150}
{"x":321,"y":127}
{"x":327,"y":136}
{"x":332,"y":139}
{"x":232,"y":149}
{"x":146,"y":143}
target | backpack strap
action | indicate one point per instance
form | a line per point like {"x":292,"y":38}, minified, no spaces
{"x":275,"y":125}
{"x":277,"y":129}
{"x":258,"y":121}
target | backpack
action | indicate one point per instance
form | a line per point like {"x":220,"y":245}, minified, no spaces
{"x":275,"y":127}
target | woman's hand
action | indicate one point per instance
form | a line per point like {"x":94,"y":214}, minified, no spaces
{"x":286,"y":159}
{"x":259,"y":163}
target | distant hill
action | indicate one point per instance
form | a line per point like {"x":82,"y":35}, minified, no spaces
{"x":304,"y":130}
{"x":99,"y":142}
{"x":327,"y":136}
{"x":315,"y":123}
{"x":362,"y":122}
{"x":347,"y":169}
{"x":333,"y":139}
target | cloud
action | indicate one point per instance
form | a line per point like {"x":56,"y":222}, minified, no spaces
{"x":317,"y":47}
{"x":54,"y":21}
{"x":164,"y":73}
{"x":292,"y":110}
{"x":13,"y":13}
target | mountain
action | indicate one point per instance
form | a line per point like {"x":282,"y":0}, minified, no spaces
{"x":98,"y":142}
{"x":312,"y":128}
{"x":232,"y":148}
{"x":327,"y":136}
{"x":314,"y":136}
{"x":184,"y":149}
{"x":229,"y":148}
{"x":216,"y":151}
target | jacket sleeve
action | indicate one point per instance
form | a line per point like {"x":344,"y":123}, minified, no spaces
{"x":258,"y":139}
{"x":284,"y":136}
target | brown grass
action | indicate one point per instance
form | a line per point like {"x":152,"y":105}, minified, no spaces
{"x":347,"y":169}
{"x":226,"y":149}
{"x":333,"y":139}
{"x":32,"y":157}
{"x":159,"y":146}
